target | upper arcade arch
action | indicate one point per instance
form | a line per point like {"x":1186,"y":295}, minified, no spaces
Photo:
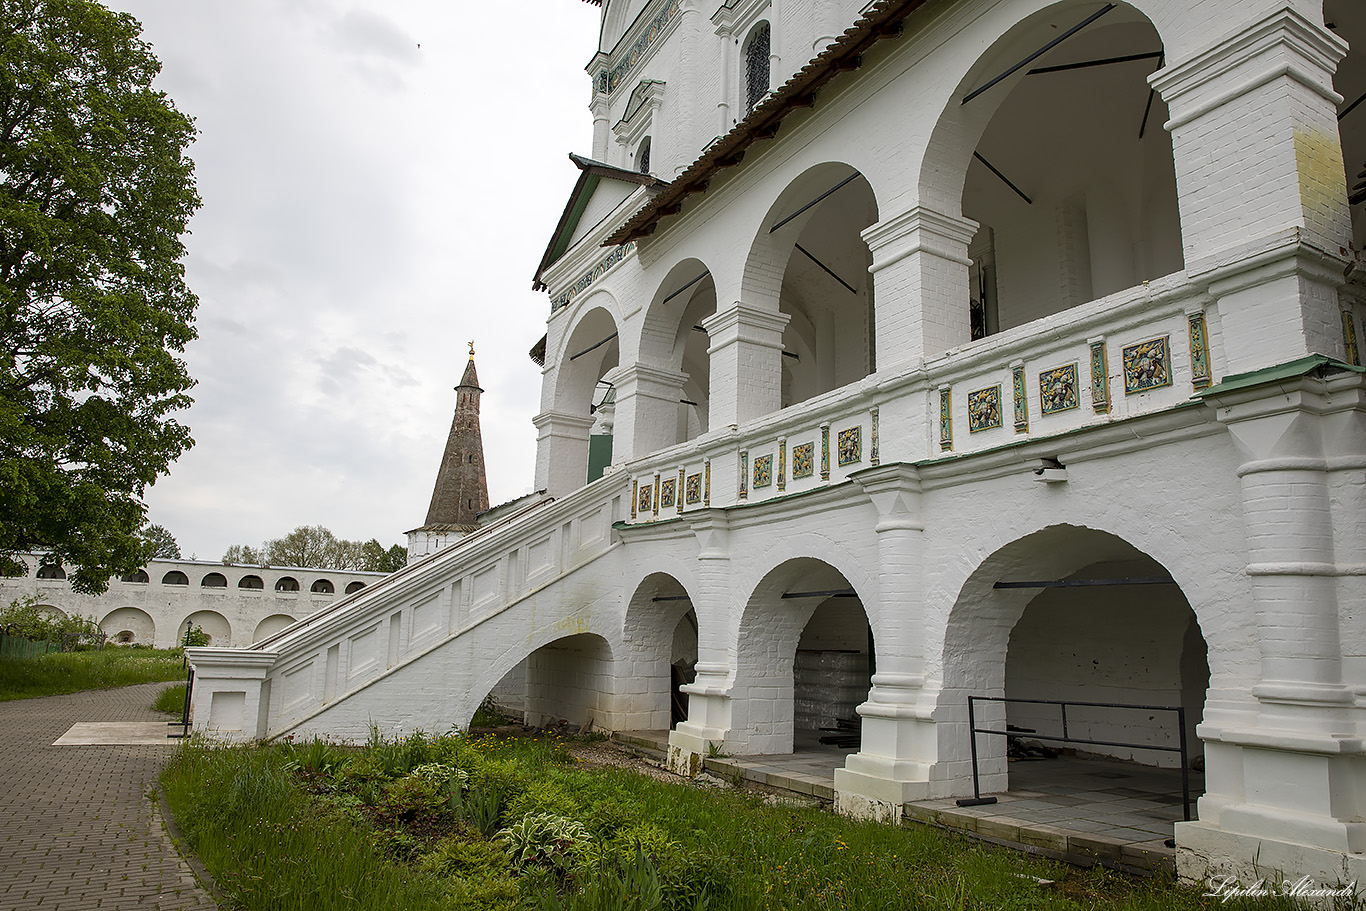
{"x":659,"y":640}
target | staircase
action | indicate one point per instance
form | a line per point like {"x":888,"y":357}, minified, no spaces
{"x":422,"y":648}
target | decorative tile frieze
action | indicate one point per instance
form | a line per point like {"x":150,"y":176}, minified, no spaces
{"x":1058,"y":389}
{"x":610,"y":79}
{"x":782,"y":464}
{"x":656,"y":503}
{"x":744,"y":474}
{"x":874,"y":455}
{"x":1147,"y":365}
{"x":645,"y":499}
{"x":825,"y":452}
{"x":984,"y":409}
{"x":635,"y":492}
{"x":850,"y":443}
{"x":706,"y":489}
{"x":679,"y":498}
{"x":666,"y":494}
{"x":1349,"y":338}
{"x":1100,"y":376}
{"x":1017,"y":383}
{"x":803,"y":460}
{"x":1200,"y":370}
{"x":692,"y":490}
{"x":763,"y":471}
{"x":592,"y":275}
{"x":945,"y":418}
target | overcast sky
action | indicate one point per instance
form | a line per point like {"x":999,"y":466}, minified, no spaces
{"x":379,"y":179}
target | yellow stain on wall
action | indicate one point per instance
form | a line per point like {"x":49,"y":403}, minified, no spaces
{"x":1323,"y":179}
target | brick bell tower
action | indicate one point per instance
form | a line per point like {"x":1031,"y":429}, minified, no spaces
{"x":462,"y":490}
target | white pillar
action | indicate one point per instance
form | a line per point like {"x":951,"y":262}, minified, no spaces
{"x":561,"y":451}
{"x":920,"y":283}
{"x":1261,"y":185}
{"x":231,"y":698}
{"x":746,"y":363}
{"x":897,"y":752}
{"x":647,"y":400}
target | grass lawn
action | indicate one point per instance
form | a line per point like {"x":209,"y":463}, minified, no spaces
{"x":70,"y":672}
{"x":170,"y":700}
{"x":489,"y":822}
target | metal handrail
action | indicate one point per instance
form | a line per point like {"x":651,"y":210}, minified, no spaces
{"x":978,"y":800}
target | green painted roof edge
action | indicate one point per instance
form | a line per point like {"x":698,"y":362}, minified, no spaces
{"x":1290,"y":370}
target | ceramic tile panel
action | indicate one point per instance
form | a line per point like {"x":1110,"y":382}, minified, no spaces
{"x":1058,"y":389}
{"x":984,"y":409}
{"x":1147,"y":365}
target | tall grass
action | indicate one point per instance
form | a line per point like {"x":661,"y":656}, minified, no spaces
{"x":266,"y":844}
{"x":315,"y":825}
{"x":71,"y":672}
{"x":171,"y":700}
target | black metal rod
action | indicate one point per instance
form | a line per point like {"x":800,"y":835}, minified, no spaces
{"x":1041,"y":51}
{"x":1099,"y":743}
{"x":184,"y":723}
{"x":828,"y":271}
{"x":1004,"y":179}
{"x":672,"y":598}
{"x":591,"y":347}
{"x":685,"y":288}
{"x":1064,"y":719}
{"x":1350,"y":108}
{"x":1106,"y":61}
{"x":1086,"y":583}
{"x":832,"y":593}
{"x":1093,"y":705}
{"x":972,"y":726}
{"x":845,"y":181}
{"x":792,"y":354}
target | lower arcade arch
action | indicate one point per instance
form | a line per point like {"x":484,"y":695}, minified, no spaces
{"x":129,"y":625}
{"x":271,"y":625}
{"x":1076,"y":615}
{"x":660,"y":647}
{"x":211,"y":622}
{"x":804,"y":663}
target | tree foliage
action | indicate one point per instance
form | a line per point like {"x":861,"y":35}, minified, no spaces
{"x":316,"y":547}
{"x":161,"y":542}
{"x":95,"y":194}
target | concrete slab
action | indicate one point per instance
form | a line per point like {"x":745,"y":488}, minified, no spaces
{"x":116,"y":733}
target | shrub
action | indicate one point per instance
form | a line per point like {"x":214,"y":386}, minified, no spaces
{"x":24,"y":618}
{"x":546,"y":840}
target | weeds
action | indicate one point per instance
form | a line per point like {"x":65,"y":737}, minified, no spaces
{"x":170,"y":700}
{"x":71,"y":672}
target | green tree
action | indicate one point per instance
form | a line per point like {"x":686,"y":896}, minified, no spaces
{"x":376,"y":559}
{"x":244,"y":554}
{"x":162,"y":543}
{"x":95,"y":194}
{"x":307,"y":545}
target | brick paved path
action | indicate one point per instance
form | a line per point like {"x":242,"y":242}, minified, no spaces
{"x":76,"y":829}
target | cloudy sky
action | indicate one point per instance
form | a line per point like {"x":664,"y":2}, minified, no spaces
{"x":379,"y":180}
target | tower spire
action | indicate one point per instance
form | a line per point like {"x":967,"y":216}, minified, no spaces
{"x":462,"y":491}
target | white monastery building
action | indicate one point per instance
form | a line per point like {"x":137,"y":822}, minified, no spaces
{"x":952,"y":348}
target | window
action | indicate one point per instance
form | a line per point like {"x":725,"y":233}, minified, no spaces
{"x":251,"y":582}
{"x":643,"y":156}
{"x":51,"y":571}
{"x":321,"y":587}
{"x":287,"y":584}
{"x":175,"y":577}
{"x":757,"y":65}
{"x":354,"y":587}
{"x":214,"y":580}
{"x":139,"y":576}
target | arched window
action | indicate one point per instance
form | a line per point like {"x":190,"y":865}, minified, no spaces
{"x":643,"y":156}
{"x":354,"y":587}
{"x":757,"y":65}
{"x":51,"y":571}
{"x":175,"y":577}
{"x":252,"y":582}
{"x":287,"y":584}
{"x":214,"y":580}
{"x":322,"y":587}
{"x":139,"y":576}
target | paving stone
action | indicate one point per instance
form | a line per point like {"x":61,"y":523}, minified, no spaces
{"x":80,"y":832}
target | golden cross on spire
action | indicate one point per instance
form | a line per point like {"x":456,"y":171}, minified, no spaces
{"x":471,"y":350}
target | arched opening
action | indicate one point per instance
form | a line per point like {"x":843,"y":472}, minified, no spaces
{"x":214,"y":580}
{"x":757,"y":64}
{"x":253,"y":583}
{"x":591,"y":350}
{"x":353,"y":587}
{"x":661,"y":644}
{"x":322,"y":587}
{"x":805,"y":663}
{"x":1077,"y":615}
{"x":51,"y":571}
{"x":175,"y":577}
{"x":673,"y":341}
{"x":811,"y":256}
{"x":287,"y":584}
{"x":271,"y":625}
{"x":128,"y":625}
{"x":212,"y":623}
{"x":139,"y":576}
{"x":643,"y":156}
{"x":1347,"y":19}
{"x":570,"y":680}
{"x":1065,"y":166}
